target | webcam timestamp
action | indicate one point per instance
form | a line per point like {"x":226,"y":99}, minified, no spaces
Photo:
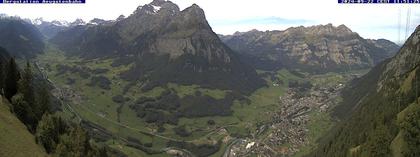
{"x":379,"y":1}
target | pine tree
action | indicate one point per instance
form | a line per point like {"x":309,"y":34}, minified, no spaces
{"x":46,"y":133}
{"x":26,"y":87}
{"x":11,"y":79}
{"x":411,"y":131}
{"x":43,"y":101}
{"x":49,"y":130}
{"x":24,"y":112}
{"x":76,"y":143}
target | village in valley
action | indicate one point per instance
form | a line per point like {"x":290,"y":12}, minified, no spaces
{"x":288,"y":131}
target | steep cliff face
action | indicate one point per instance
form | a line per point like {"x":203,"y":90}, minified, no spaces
{"x":179,"y":33}
{"x":382,"y":108}
{"x":166,"y":45}
{"x":319,"y":48}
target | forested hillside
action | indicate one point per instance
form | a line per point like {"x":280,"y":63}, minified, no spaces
{"x":386,"y":113}
{"x":25,"y":112}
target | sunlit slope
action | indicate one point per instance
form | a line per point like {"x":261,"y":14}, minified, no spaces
{"x":383,"y":109}
{"x":16,"y":141}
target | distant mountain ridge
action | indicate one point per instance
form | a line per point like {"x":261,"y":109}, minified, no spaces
{"x":50,"y":28}
{"x":320,"y":48}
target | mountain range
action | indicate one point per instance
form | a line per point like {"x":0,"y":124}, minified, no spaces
{"x":50,"y":29}
{"x":315,"y":49}
{"x":159,"y":44}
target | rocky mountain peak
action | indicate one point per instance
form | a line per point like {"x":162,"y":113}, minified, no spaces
{"x":60,"y":23}
{"x":78,"y":22}
{"x":159,"y":2}
{"x":38,"y":21}
{"x":121,"y":17}
{"x":318,"y":30}
{"x":195,"y":11}
{"x":192,"y":18}
{"x":344,"y":28}
{"x":158,"y":6}
{"x":97,"y":21}
{"x":329,"y":29}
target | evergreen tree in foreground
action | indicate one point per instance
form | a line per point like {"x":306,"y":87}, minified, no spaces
{"x":49,"y":130}
{"x":42,"y":101}
{"x":11,"y":79}
{"x":411,"y":133}
{"x":26,"y":85}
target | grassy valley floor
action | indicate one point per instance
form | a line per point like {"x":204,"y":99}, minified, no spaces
{"x":88,"y":99}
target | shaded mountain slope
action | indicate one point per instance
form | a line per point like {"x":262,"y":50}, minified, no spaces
{"x":4,"y":56}
{"x":20,"y":37}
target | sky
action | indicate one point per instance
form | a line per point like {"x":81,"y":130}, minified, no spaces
{"x":372,"y":21}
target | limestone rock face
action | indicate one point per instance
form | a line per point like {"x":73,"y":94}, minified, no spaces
{"x":319,"y":48}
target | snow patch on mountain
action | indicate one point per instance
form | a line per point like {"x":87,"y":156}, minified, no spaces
{"x":37,"y":21}
{"x":61,"y":23}
{"x":156,"y":8}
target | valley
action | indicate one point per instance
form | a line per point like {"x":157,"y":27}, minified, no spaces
{"x":299,"y":98}
{"x":160,"y":82}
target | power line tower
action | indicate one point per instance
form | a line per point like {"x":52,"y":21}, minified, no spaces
{"x":408,"y":23}
{"x":399,"y":25}
{"x":417,"y":89}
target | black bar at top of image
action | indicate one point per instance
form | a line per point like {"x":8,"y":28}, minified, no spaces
{"x":43,"y":1}
{"x":379,"y":1}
